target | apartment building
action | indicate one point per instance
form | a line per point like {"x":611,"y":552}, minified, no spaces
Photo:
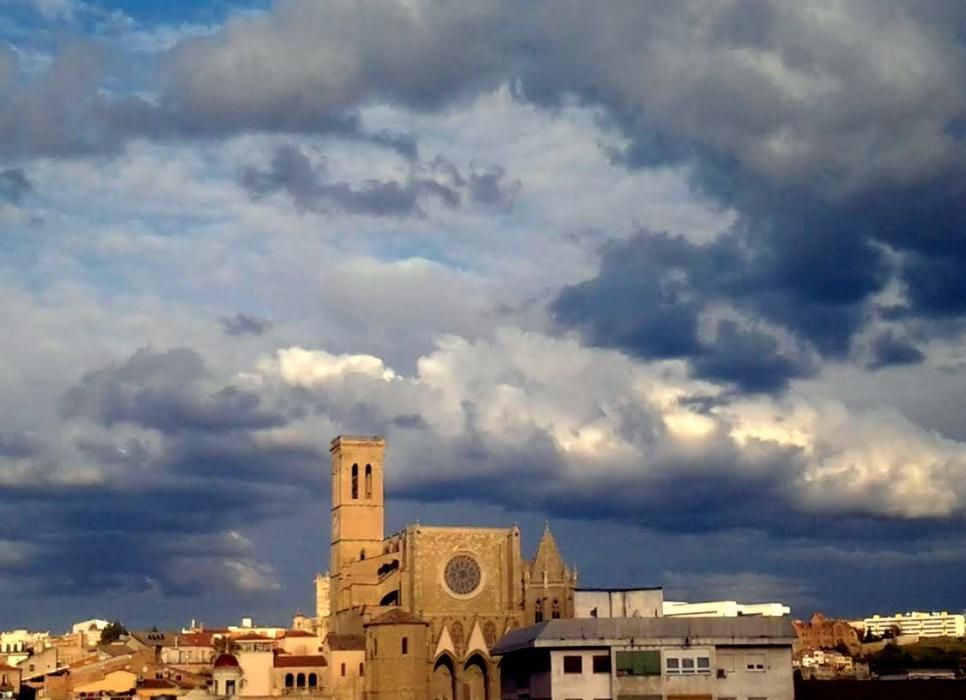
{"x":923,"y":624}
{"x":649,"y":659}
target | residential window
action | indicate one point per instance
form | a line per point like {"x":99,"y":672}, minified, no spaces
{"x":755,"y":663}
{"x":645,"y":662}
{"x":687,"y":663}
{"x":726,"y":661}
{"x":602,"y":664}
{"x":573,"y":664}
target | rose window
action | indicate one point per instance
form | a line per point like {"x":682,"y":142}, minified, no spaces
{"x":462,"y":574}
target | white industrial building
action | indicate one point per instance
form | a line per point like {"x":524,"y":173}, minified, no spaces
{"x":649,"y":602}
{"x":724,"y":608}
{"x":618,"y":602}
{"x":923,"y":624}
{"x":656,"y":657}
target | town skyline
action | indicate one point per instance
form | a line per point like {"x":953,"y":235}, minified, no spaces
{"x":682,"y":278}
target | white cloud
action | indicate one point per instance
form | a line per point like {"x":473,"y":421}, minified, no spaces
{"x":608,"y":415}
{"x":307,"y":368}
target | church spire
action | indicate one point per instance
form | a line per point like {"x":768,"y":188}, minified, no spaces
{"x":548,"y":560}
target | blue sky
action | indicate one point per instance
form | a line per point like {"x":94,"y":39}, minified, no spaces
{"x":684,"y":279}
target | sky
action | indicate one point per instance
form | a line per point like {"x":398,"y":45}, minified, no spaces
{"x":684,"y":278}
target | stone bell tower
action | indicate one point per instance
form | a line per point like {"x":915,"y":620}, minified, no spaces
{"x":358,"y":508}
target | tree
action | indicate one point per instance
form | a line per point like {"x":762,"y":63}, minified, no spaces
{"x":113,"y":632}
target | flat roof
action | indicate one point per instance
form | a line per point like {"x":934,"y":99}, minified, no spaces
{"x":643,"y":631}
{"x":618,"y":590}
{"x":338,"y":439}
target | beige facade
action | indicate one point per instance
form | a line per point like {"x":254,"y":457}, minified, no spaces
{"x":649,"y":657}
{"x":10,"y":677}
{"x":452,"y":592}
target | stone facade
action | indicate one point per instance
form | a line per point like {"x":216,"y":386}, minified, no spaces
{"x":451,"y":592}
{"x":823,"y":633}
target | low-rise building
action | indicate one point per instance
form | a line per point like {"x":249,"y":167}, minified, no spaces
{"x":91,"y":629}
{"x":724,"y":608}
{"x":9,"y":681}
{"x":923,"y":624}
{"x":659,"y":657}
{"x":17,"y":645}
{"x":618,"y":602}
{"x":190,"y":650}
{"x":827,"y":664}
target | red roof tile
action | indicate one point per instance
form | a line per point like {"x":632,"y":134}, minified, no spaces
{"x":253,"y":637}
{"x":397,"y":617}
{"x":295,"y":661}
{"x":196,"y":639}
{"x":225,"y":660}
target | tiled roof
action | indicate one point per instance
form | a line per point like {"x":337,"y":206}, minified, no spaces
{"x":196,"y":639}
{"x":225,"y":660}
{"x":397,"y":617}
{"x":346,"y":642}
{"x":154,"y":638}
{"x":299,"y":661}
{"x":660,"y":630}
{"x":253,"y":637}
{"x":297,"y":633}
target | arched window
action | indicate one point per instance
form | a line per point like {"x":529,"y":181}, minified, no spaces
{"x":343,"y":670}
{"x":313,"y":680}
{"x":368,"y":481}
{"x":405,"y":645}
{"x":555,"y":609}
{"x":362,"y":668}
{"x":538,"y":612}
{"x":355,"y":481}
{"x":300,"y":680}
{"x":362,"y":555}
{"x":289,"y":680}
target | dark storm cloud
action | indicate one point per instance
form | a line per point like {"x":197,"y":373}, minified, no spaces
{"x":244,"y":324}
{"x":159,"y":515}
{"x":13,"y":185}
{"x":889,"y":349}
{"x":19,"y":445}
{"x":652,"y":289}
{"x":410,"y":421}
{"x":751,"y":359}
{"x":307,"y":183}
{"x":165,"y":391}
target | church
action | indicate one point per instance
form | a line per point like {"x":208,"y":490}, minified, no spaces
{"x":423,"y":606}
